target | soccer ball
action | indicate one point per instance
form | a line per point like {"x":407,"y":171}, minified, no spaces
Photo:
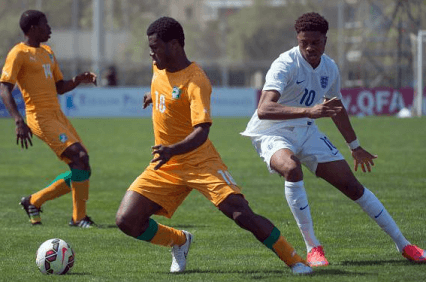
{"x":55,"y":256}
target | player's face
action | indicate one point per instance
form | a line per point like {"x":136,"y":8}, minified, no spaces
{"x":42,"y":30}
{"x":160,"y":52}
{"x":312,"y":45}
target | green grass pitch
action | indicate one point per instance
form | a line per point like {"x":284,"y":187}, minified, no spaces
{"x":120,"y":150}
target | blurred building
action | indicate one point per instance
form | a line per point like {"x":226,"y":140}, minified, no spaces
{"x":370,"y":40}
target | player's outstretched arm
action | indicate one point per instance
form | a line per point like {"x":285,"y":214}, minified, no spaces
{"x":64,"y":86}
{"x":23,"y":132}
{"x":330,"y":108}
{"x":269,"y":108}
{"x":361,"y":157}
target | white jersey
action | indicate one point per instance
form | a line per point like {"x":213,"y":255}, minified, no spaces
{"x":300,"y":85}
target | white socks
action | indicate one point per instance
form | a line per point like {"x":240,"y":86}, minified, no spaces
{"x":298,"y":202}
{"x":375,"y":209}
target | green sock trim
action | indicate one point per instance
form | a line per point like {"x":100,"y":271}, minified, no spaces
{"x":65,"y":176}
{"x":270,"y":241}
{"x":79,"y":175}
{"x":149,"y":232}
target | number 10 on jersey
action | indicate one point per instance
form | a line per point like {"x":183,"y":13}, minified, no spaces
{"x":308,"y":97}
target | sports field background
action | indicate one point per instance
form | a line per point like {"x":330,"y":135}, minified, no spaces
{"x":120,"y":150}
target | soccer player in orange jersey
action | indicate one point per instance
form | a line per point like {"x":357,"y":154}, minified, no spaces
{"x":34,"y":68}
{"x":185,"y":159}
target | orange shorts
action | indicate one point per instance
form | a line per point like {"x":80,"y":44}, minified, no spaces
{"x":54,"y":129}
{"x":169,"y":185}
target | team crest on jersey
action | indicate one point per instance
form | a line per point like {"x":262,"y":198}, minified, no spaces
{"x":51,"y":58}
{"x":63,"y":138}
{"x":176,"y":92}
{"x":324,"y":81}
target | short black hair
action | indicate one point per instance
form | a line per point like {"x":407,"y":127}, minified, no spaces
{"x":311,"y":22}
{"x":167,"y":29}
{"x":30,"y":18}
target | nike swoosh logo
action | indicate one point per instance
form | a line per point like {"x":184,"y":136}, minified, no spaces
{"x":298,"y":82}
{"x":302,"y":208}
{"x":64,"y":250}
{"x":376,"y":216}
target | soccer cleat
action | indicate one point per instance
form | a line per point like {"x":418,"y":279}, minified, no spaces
{"x":301,"y":268}
{"x":86,"y":222}
{"x":179,"y":254}
{"x":32,"y":211}
{"x":316,"y":257}
{"x":414,"y":254}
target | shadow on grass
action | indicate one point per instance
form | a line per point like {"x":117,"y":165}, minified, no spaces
{"x":188,"y":226}
{"x":374,"y":262}
{"x":106,"y":226}
{"x":263,"y":274}
{"x":182,"y":226}
{"x":78,"y":273}
{"x":330,"y":271}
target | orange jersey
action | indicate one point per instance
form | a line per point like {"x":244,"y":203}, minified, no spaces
{"x":181,"y":100}
{"x":36,"y":72}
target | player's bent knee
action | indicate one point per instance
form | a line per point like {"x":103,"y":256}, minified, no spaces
{"x":237,"y":208}
{"x":129,"y":227}
{"x":124,"y":225}
{"x":78,"y":156}
{"x":290,"y":170}
{"x":294,"y":174}
{"x":83,"y":160}
{"x":233,"y":203}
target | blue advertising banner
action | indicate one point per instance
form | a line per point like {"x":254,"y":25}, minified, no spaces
{"x":128,"y":102}
{"x":105,"y":102}
{"x":19,"y":102}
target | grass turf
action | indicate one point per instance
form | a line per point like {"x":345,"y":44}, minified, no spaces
{"x":120,"y":150}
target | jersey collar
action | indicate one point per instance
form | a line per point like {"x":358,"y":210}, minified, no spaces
{"x":306,"y":64}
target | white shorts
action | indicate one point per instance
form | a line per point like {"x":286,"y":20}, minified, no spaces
{"x":308,"y":144}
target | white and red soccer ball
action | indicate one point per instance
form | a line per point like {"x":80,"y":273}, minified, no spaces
{"x":55,"y":256}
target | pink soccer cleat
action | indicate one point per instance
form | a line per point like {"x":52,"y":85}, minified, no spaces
{"x":316,"y":257}
{"x":414,"y":254}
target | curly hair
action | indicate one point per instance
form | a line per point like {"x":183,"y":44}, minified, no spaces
{"x":167,"y":29}
{"x":311,"y":22}
{"x":30,"y":18}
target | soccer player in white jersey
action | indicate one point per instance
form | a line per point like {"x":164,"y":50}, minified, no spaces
{"x":303,"y":84}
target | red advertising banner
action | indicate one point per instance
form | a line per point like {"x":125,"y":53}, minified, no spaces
{"x":377,"y":101}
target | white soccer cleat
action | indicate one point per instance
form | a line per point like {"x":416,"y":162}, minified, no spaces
{"x":179,"y":254}
{"x":301,"y":269}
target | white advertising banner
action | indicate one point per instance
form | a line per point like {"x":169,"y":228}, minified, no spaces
{"x":127,"y":102}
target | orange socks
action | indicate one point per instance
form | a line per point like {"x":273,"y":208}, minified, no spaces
{"x":60,"y":186}
{"x":80,"y":192}
{"x":282,"y":248}
{"x":168,"y":236}
{"x":159,"y":234}
{"x":76,"y":181}
{"x":80,"y":195}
